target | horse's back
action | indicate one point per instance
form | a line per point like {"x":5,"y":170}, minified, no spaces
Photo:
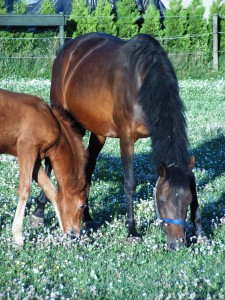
{"x":97,"y":78}
{"x":72,"y":60}
{"x":25,"y":120}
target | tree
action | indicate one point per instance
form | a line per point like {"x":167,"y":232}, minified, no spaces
{"x":197,"y":27}
{"x":82,"y":15}
{"x":19,"y":7}
{"x":151,"y":23}
{"x":222,"y":24}
{"x":3,"y":10}
{"x":215,"y":9}
{"x":47,"y":7}
{"x":127,"y":16}
{"x":176,"y":26}
{"x":104,"y":17}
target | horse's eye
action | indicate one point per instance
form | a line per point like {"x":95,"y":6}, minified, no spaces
{"x":161,"y":201}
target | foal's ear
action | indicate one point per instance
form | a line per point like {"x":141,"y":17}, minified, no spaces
{"x":191,"y":164}
{"x":161,"y":169}
{"x":81,"y":183}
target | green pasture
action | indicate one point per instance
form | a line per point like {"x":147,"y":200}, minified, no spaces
{"x":102,"y":265}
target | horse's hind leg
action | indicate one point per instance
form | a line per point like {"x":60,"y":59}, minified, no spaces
{"x":96,"y":143}
{"x":37,"y":217}
{"x":25,"y":170}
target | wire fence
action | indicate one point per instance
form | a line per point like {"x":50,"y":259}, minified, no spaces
{"x":163,"y":40}
{"x":35,"y":54}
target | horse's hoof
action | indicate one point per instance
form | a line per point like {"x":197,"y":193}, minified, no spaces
{"x":202,"y":239}
{"x":36,"y":221}
{"x":134,"y":239}
{"x":89,"y":227}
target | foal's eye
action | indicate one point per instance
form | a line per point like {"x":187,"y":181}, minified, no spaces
{"x":82,"y":206}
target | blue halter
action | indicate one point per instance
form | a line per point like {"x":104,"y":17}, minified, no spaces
{"x":165,"y":220}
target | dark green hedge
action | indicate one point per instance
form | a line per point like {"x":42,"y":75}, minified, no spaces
{"x":185,"y":34}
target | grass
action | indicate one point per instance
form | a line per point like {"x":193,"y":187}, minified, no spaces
{"x":103,"y":265}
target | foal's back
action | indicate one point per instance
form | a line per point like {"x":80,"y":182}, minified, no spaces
{"x":26,"y":121}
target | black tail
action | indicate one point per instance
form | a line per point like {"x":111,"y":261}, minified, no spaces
{"x":163,"y":107}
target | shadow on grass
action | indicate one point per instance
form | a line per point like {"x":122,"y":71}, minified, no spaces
{"x":209,"y":156}
{"x":210,"y":159}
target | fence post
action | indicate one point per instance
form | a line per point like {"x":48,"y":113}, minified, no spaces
{"x":215,"y":42}
{"x":61,"y":32}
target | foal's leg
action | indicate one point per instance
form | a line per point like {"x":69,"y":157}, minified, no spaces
{"x":37,"y":218}
{"x":195,"y":211}
{"x":127,"y":155}
{"x":96,"y":143}
{"x":25,"y":177}
{"x":40,"y":176}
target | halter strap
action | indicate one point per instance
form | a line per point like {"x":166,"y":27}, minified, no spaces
{"x":165,"y":220}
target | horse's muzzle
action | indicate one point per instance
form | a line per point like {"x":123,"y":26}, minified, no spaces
{"x":176,"y":245}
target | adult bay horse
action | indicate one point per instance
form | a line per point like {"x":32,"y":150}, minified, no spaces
{"x":30,"y":130}
{"x":129,"y":90}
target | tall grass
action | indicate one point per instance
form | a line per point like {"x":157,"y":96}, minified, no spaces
{"x":102,"y":265}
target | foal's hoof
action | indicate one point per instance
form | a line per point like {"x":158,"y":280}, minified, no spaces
{"x":134,"y":239}
{"x":36,"y":221}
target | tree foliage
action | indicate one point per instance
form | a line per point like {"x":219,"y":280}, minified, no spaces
{"x":175,"y":26}
{"x":197,"y":26}
{"x":3,"y":10}
{"x":152,"y":23}
{"x":127,"y":16}
{"x":104,"y":17}
{"x":47,"y":7}
{"x":83,"y":16}
{"x":19,"y":7}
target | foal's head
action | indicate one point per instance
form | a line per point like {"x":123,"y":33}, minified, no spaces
{"x":172,"y":197}
{"x":69,"y":169}
{"x":71,"y":206}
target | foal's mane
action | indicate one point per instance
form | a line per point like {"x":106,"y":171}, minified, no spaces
{"x":161,"y":102}
{"x":75,"y":140}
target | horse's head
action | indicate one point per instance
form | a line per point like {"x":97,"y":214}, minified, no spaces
{"x":172,"y":196}
{"x":71,"y":207}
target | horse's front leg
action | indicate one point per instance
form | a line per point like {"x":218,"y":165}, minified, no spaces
{"x":195,"y":211}
{"x":37,"y":217}
{"x":96,"y":143}
{"x":127,"y":155}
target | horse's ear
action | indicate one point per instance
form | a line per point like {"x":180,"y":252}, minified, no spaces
{"x":161,"y":169}
{"x":191,"y":164}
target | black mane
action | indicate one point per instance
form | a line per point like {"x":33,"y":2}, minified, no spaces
{"x":161,"y":102}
